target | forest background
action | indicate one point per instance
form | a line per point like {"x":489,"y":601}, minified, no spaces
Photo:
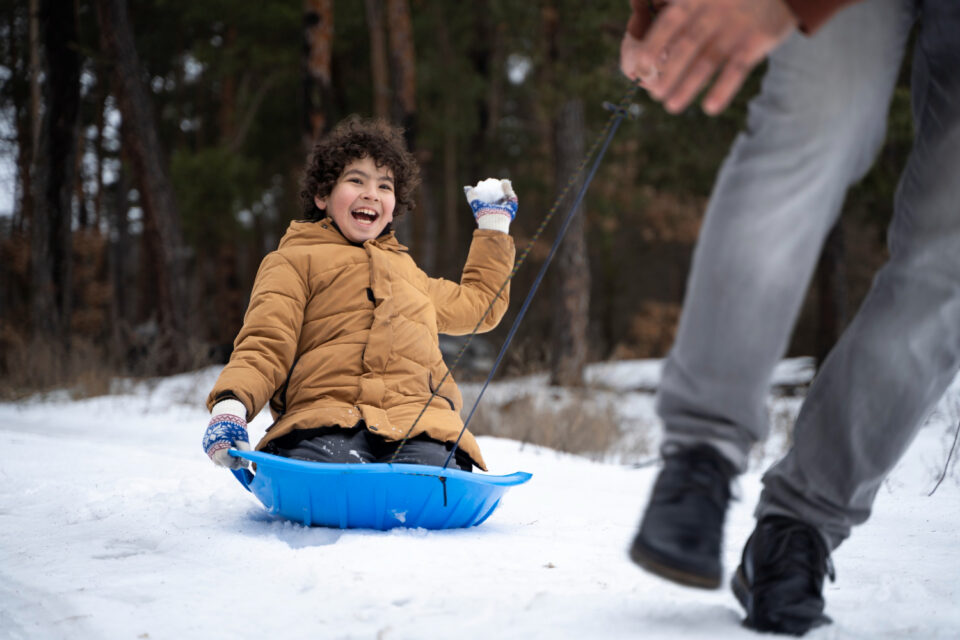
{"x":150,"y":156}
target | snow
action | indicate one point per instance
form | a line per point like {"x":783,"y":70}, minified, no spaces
{"x":113,"y":524}
{"x":488,"y":190}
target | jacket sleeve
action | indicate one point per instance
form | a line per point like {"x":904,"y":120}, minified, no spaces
{"x":641,"y":17}
{"x":461,"y":306}
{"x":812,"y":14}
{"x":264,"y":350}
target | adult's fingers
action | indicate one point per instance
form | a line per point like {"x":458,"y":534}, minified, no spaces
{"x":691,"y":83}
{"x":659,"y":39}
{"x":668,"y":22}
{"x":697,"y":75}
{"x":734,"y":72}
{"x":683,"y":52}
{"x":710,"y":58}
{"x":634,"y":62}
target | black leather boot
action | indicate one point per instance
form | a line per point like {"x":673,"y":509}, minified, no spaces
{"x":681,"y":533}
{"x":780,"y":580}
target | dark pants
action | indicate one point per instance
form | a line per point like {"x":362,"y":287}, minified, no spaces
{"x":357,"y":445}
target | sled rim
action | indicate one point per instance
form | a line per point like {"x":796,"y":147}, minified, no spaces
{"x":269,"y":460}
{"x":377,"y":496}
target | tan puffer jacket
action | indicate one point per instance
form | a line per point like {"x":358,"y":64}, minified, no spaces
{"x":336,"y":333}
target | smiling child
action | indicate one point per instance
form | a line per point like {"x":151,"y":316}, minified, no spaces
{"x":341,"y":333}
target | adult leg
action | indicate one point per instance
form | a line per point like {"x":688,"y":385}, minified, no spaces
{"x":903,"y":347}
{"x":814,"y":128}
{"x":891,"y":365}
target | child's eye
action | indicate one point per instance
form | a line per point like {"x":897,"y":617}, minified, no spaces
{"x":354,"y":180}
{"x":387,"y":187}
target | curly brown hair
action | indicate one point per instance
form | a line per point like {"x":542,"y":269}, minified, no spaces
{"x":352,"y":139}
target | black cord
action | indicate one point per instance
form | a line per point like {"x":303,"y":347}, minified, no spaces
{"x":618,"y":115}
{"x":621,"y":110}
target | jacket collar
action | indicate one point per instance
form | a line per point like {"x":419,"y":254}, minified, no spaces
{"x":325,"y":231}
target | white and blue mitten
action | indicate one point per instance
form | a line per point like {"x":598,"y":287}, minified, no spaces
{"x":227,"y":430}
{"x":493,"y":202}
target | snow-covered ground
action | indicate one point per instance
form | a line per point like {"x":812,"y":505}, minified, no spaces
{"x":113,"y":524}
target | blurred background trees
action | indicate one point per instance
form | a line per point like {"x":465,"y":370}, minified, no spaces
{"x":151,"y":155}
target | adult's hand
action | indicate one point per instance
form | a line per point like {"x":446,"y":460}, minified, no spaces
{"x":691,"y":40}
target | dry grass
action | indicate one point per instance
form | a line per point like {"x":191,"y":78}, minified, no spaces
{"x":35,"y":365}
{"x":88,"y":369}
{"x":651,"y":332}
{"x":572,"y":421}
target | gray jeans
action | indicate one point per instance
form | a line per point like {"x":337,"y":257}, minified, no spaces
{"x":813,"y":130}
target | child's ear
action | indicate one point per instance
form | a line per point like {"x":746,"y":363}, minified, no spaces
{"x":320,"y":202}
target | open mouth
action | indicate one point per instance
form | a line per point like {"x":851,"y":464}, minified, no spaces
{"x":365,"y":216}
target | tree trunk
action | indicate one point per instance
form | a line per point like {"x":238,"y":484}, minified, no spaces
{"x":378,"y":59}
{"x":831,"y":292}
{"x":403,"y":68}
{"x":404,"y":84}
{"x":119,"y":265}
{"x":35,"y":71}
{"x":451,"y":192}
{"x":15,"y":244}
{"x":101,"y":100}
{"x":425,"y":222}
{"x":227,"y":116}
{"x":486,"y":56}
{"x":23,"y":119}
{"x":495,"y":82}
{"x":142,"y":145}
{"x":83,"y":211}
{"x":571,"y":291}
{"x":53,"y":173}
{"x":317,"y":78}
{"x":572,"y":270}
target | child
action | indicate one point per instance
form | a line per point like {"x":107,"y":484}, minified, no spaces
{"x":341,"y":333}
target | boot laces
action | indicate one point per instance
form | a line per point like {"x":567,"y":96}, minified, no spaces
{"x":796,"y":545}
{"x":698,"y":474}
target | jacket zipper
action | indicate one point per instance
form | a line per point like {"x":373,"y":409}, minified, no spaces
{"x":436,"y":391}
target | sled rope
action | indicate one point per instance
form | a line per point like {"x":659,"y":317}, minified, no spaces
{"x":598,"y":149}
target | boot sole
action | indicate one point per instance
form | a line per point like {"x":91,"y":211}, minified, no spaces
{"x":656,"y":564}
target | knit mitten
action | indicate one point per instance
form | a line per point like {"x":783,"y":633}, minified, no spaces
{"x":227,"y":430}
{"x":493,"y":202}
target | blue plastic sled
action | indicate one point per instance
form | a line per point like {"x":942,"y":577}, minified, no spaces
{"x":373,"y":496}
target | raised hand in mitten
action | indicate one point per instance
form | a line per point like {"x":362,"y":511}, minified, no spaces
{"x":493,"y":202}
{"x":227,"y":430}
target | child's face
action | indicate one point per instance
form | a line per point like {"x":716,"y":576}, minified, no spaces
{"x":362,"y":200}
